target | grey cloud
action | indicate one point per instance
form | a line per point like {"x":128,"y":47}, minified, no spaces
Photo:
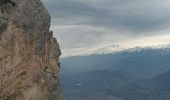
{"x":134,"y":15}
{"x":106,"y":20}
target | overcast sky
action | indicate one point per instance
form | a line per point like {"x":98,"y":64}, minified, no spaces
{"x":93,"y":23}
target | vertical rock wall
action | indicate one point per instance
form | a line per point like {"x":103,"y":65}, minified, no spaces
{"x":29,"y":55}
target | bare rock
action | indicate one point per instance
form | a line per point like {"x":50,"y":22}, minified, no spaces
{"x":29,"y":55}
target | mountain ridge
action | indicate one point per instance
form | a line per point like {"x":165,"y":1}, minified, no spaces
{"x":111,"y":49}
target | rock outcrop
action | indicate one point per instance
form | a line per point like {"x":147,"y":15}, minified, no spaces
{"x":29,"y":55}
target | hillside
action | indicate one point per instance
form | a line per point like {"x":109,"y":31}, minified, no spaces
{"x":126,"y":75}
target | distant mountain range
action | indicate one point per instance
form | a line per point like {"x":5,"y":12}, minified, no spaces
{"x":112,"y":48}
{"x":131,"y":74}
{"x":142,"y":60}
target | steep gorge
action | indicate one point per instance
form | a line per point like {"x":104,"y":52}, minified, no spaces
{"x":29,"y":55}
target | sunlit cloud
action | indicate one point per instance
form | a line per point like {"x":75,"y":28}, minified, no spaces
{"x":149,"y":41}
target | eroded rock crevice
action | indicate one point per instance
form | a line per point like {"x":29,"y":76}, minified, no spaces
{"x":4,"y":2}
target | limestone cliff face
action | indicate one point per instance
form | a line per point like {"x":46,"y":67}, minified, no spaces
{"x":29,"y":55}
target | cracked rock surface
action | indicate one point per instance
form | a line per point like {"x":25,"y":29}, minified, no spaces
{"x":29,"y":55}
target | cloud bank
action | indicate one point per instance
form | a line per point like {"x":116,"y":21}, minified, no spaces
{"x":93,"y":23}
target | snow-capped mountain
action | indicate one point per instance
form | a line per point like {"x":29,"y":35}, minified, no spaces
{"x":111,"y":49}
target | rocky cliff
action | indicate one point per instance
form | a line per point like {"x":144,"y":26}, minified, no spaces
{"x":29,"y":55}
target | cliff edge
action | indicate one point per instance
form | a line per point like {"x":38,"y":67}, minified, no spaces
{"x":29,"y":55}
